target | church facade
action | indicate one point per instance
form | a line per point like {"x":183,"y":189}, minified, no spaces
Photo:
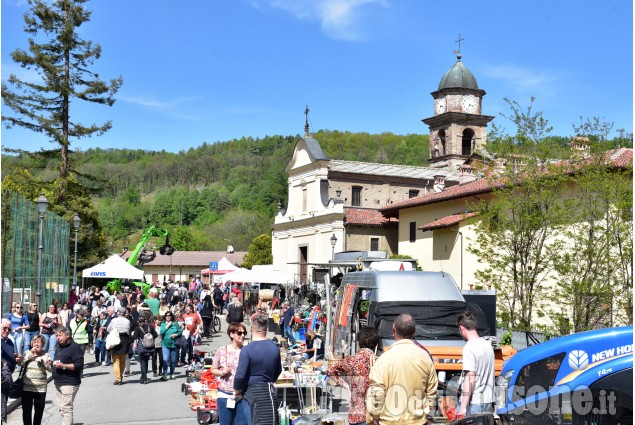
{"x":335,"y":205}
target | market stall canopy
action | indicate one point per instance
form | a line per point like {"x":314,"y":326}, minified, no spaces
{"x":255,"y":276}
{"x":224,"y":266}
{"x":114,"y":267}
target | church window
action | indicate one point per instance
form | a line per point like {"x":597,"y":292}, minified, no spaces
{"x":356,"y":198}
{"x":467,"y":142}
{"x":413,"y":231}
{"x":304,"y":199}
{"x":442,"y":140}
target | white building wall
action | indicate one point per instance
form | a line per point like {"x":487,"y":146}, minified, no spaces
{"x":439,"y":250}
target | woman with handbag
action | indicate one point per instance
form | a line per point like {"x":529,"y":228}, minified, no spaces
{"x":170,"y":332}
{"x":224,"y":367}
{"x":48,"y":322}
{"x":144,"y":346}
{"x":36,"y":364}
{"x":119,"y":352}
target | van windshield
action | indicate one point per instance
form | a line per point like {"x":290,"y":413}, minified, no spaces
{"x":435,"y":319}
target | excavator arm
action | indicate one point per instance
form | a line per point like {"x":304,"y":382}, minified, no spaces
{"x":150,"y":232}
{"x":139,"y":256}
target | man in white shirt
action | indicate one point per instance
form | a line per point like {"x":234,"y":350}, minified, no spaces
{"x":477,"y":395}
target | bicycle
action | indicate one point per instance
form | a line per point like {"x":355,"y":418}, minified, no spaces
{"x":215,"y":323}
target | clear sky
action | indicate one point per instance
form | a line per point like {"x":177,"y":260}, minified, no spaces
{"x":213,"y":70}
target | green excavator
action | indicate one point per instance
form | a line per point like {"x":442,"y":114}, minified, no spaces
{"x":140,"y":256}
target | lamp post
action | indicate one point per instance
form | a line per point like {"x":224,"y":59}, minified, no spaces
{"x":76,"y":222}
{"x":333,"y":242}
{"x":42,"y":204}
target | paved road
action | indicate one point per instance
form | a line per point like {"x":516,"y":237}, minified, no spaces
{"x":99,"y":402}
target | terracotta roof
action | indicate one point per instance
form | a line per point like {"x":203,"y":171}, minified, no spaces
{"x":622,"y":157}
{"x":365,"y":216}
{"x":194,"y":258}
{"x":448,"y":221}
{"x":459,"y":191}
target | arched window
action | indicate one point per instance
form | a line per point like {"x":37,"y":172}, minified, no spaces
{"x":442,"y":139}
{"x":467,"y":142}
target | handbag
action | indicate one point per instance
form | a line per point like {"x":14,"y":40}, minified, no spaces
{"x":17,"y":387}
{"x":113,"y":340}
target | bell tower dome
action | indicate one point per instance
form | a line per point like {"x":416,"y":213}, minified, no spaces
{"x":458,"y":127}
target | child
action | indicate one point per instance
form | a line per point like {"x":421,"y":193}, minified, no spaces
{"x":100,"y":339}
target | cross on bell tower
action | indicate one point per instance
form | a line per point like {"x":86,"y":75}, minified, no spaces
{"x":458,"y":127}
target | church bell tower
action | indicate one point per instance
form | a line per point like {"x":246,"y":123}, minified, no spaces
{"x":457,"y":128}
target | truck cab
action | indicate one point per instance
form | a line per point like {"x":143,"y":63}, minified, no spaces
{"x":584,"y":378}
{"x":376,"y":298}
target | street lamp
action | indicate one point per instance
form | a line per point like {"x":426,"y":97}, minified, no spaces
{"x":333,"y":242}
{"x":42,"y":204}
{"x":76,"y":222}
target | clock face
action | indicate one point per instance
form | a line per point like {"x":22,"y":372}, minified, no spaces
{"x":439,"y":105}
{"x":469,"y":104}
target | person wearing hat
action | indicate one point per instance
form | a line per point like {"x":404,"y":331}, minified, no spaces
{"x":78,"y":326}
{"x":119,"y":352}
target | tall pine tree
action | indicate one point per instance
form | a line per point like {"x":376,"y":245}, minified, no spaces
{"x":63,"y":61}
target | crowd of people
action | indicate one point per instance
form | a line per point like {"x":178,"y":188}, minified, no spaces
{"x":161,"y":330}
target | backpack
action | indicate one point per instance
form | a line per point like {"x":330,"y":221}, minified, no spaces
{"x":148,"y":340}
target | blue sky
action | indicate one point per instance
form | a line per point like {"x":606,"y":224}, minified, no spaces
{"x":205,"y":71}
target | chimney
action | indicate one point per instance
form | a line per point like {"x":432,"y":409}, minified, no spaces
{"x":439,"y":183}
{"x":580,"y":146}
{"x":467,"y":173}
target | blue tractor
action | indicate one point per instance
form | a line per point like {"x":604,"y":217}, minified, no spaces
{"x":584,"y":378}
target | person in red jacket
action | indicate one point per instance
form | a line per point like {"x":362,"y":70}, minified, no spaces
{"x":193,"y":323}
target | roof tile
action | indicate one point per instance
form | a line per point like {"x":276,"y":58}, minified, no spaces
{"x":194,"y":258}
{"x":365,"y":216}
{"x":448,"y":221}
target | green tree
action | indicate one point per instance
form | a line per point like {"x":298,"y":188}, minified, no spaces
{"x":259,"y":252}
{"x":514,"y":241}
{"x":181,"y":239}
{"x":518,"y":225}
{"x":63,"y":64}
{"x":599,"y":238}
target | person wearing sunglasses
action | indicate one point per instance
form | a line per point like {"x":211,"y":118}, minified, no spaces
{"x":49,"y":321}
{"x":224,"y":367}
{"x":19,"y":323}
{"x":34,"y":326}
{"x":170,"y":332}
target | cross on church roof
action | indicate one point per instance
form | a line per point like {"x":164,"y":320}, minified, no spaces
{"x":306,"y":124}
{"x":458,"y":52}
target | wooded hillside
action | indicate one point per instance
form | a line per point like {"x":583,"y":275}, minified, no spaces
{"x":214,"y":194}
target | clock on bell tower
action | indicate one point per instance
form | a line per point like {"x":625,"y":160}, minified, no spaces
{"x":458,"y":127}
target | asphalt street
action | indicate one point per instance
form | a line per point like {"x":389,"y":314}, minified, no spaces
{"x":99,"y":402}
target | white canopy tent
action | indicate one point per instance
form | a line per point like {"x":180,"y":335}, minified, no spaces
{"x":114,"y":267}
{"x":224,"y":266}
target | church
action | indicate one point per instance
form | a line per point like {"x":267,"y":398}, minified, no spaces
{"x":336,"y":205}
